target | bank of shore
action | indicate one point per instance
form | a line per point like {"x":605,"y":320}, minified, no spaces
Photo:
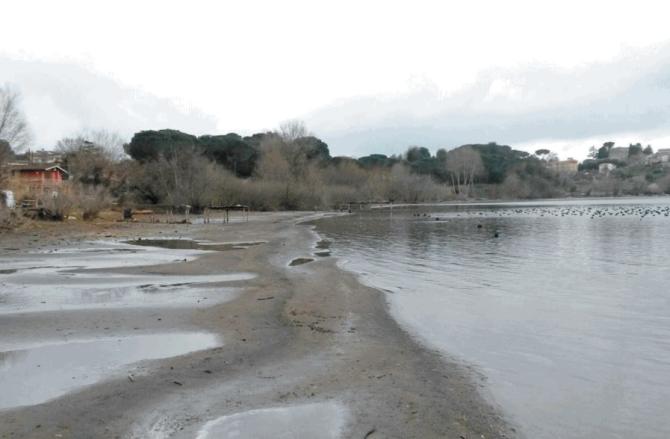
{"x":297,"y":334}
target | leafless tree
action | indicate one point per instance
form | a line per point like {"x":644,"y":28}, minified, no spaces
{"x":464,"y":166}
{"x":13,"y":125}
{"x":91,"y":156}
{"x":5,"y":154}
{"x":292,"y":130}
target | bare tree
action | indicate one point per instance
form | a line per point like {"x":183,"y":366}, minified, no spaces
{"x":13,"y":125}
{"x":292,"y":130}
{"x":464,"y":166}
{"x":91,"y":156}
{"x":5,"y":155}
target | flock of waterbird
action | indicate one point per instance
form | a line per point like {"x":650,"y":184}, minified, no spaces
{"x":591,"y":212}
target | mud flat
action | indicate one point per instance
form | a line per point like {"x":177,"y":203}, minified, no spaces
{"x":305,"y":348}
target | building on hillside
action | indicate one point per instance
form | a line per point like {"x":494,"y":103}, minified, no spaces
{"x":606,"y":168}
{"x":661,"y":156}
{"x":569,"y":166}
{"x":619,"y":153}
{"x":40,"y":156}
{"x":39,"y":178}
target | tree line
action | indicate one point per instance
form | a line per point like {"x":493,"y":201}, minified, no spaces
{"x":291,"y":168}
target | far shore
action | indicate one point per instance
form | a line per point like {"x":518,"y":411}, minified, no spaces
{"x":295,"y":335}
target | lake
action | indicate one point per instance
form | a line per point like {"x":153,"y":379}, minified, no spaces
{"x":564,"y":306}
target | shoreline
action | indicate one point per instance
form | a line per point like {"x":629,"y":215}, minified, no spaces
{"x":294,"y":335}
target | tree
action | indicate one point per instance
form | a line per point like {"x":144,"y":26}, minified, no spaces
{"x":593,"y":152}
{"x":152,"y":145}
{"x":497,"y":159}
{"x":13,"y":125}
{"x":416,"y":153}
{"x":604,"y":151}
{"x":90,"y":156}
{"x":186,"y":177}
{"x":376,"y":161}
{"x":5,"y":154}
{"x":542,"y":152}
{"x":648,"y":150}
{"x":231,"y":151}
{"x":313,"y":148}
{"x":292,"y":130}
{"x":464,"y":165}
{"x":634,"y":150}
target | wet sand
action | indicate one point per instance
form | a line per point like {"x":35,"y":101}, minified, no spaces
{"x":294,"y":337}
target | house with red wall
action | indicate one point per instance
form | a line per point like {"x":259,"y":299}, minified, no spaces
{"x":40,"y":177}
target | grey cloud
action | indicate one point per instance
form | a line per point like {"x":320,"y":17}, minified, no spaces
{"x":631,"y":94}
{"x":60,"y":98}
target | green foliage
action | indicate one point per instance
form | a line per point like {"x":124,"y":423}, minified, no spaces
{"x":231,"y":151}
{"x":634,"y":149}
{"x":604,"y":151}
{"x":417,"y":153}
{"x":313,"y":148}
{"x":375,"y":160}
{"x":151,"y":145}
{"x":589,"y":165}
{"x":497,"y":159}
{"x":648,"y":150}
{"x":236,"y":153}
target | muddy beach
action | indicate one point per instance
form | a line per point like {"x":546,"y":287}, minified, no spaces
{"x":211,"y":330}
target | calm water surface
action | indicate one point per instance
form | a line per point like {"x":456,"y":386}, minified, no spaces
{"x":566,"y":312}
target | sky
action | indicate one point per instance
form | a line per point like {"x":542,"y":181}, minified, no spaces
{"x":373,"y":76}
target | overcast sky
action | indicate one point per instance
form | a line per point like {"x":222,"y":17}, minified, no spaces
{"x":372,"y":76}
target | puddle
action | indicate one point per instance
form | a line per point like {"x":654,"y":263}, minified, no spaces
{"x":188,"y":244}
{"x":321,"y":420}
{"x":97,"y":255}
{"x":36,"y":375}
{"x":66,"y":279}
{"x":322,"y":254}
{"x":300,"y":261}
{"x":50,"y":290}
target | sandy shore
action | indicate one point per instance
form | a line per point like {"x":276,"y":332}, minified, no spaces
{"x":295,"y":335}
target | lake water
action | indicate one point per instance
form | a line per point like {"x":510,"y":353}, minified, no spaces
{"x":566,"y":311}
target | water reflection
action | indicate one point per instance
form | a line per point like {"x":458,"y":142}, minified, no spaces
{"x":320,"y":420}
{"x":37,"y":375}
{"x":566,"y":311}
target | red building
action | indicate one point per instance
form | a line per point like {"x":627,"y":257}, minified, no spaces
{"x":40,"y":177}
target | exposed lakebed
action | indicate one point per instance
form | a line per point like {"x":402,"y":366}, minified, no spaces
{"x":87,"y":277}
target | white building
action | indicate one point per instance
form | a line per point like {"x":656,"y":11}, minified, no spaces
{"x":606,"y":168}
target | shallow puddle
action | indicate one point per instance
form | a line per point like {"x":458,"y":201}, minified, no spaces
{"x":66,"y":279}
{"x":97,"y":255}
{"x":50,"y":289}
{"x":188,"y":244}
{"x":36,"y":375}
{"x":321,"y":420}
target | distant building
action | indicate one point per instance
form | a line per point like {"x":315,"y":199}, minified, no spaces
{"x":39,"y":178}
{"x":40,"y":156}
{"x":569,"y":166}
{"x":619,"y":153}
{"x":661,"y":156}
{"x":605,"y":168}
